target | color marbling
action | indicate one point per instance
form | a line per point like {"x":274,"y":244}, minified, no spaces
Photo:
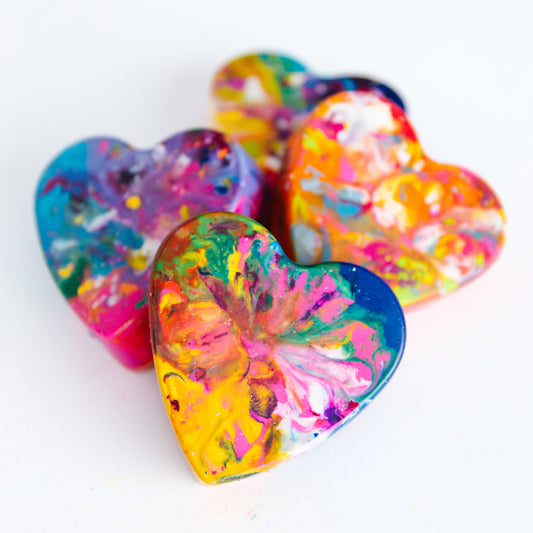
{"x":103,"y":209}
{"x":259,"y":358}
{"x":358,"y":187}
{"x":261,"y":98}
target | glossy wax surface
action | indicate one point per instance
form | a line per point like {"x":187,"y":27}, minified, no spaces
{"x":358,"y":187}
{"x":259,"y":358}
{"x":103,"y":209}
{"x":261,"y":98}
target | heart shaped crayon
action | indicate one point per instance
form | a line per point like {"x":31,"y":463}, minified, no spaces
{"x":103,"y":209}
{"x":259,"y":358}
{"x":358,"y":187}
{"x":261,"y":98}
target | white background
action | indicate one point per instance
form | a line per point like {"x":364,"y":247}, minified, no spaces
{"x":85,"y":445}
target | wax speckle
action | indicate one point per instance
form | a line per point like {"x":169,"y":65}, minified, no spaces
{"x":133,"y":202}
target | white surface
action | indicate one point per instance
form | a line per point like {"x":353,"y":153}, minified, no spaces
{"x":447,"y":447}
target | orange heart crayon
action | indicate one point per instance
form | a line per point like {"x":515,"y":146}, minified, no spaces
{"x":259,"y":358}
{"x":357,"y":186}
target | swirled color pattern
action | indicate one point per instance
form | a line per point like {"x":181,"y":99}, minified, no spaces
{"x":103,"y":209}
{"x":358,"y":187}
{"x":261,"y":98}
{"x":259,"y":358}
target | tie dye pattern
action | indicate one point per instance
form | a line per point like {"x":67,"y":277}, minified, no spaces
{"x":261,"y":98}
{"x":103,"y":209}
{"x":259,"y":358}
{"x":358,"y":187}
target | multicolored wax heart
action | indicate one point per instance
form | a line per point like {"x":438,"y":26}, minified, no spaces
{"x":103,"y":209}
{"x":261,"y":98}
{"x":259,"y":358}
{"x":358,"y":187}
